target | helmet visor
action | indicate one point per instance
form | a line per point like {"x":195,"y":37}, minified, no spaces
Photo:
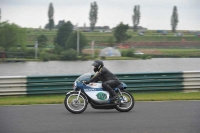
{"x":95,"y":64}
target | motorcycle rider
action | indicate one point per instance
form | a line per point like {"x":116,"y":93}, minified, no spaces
{"x":108,"y":79}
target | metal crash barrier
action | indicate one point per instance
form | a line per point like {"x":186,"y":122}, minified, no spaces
{"x":60,"y":84}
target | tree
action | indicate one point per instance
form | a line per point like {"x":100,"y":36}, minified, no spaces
{"x":72,"y":41}
{"x":174,"y":19}
{"x":136,"y":17}
{"x":42,"y":41}
{"x":64,"y":33}
{"x":61,"y":22}
{"x":120,"y":33}
{"x":50,"y":15}
{"x":93,"y":15}
{"x":57,"y":49}
{"x":46,"y":26}
{"x":12,"y":35}
{"x":111,"y":41}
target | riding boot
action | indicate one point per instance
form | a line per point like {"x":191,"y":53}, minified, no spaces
{"x":114,"y":95}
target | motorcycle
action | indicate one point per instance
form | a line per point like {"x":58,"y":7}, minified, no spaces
{"x":76,"y":101}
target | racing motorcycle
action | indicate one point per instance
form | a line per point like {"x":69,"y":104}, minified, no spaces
{"x":76,"y":101}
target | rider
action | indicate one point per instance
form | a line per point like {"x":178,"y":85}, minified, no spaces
{"x":108,"y":79}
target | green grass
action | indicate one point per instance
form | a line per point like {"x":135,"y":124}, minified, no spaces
{"x":120,"y":58}
{"x":163,"y":96}
{"x":26,"y":100}
{"x":104,"y":37}
{"x":18,"y":60}
{"x":181,"y":52}
{"x":58,"y":99}
{"x":172,"y":52}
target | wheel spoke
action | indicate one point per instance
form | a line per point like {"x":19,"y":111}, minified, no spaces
{"x":126,"y":101}
{"x":75,"y":104}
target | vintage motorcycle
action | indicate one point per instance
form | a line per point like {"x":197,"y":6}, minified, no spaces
{"x":76,"y":101}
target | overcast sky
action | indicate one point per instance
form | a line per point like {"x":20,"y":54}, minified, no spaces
{"x":155,"y":14}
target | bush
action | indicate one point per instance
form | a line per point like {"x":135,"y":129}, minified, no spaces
{"x":47,"y":55}
{"x":103,"y":57}
{"x":86,"y":57}
{"x":130,"y":53}
{"x":57,"y":49}
{"x":53,"y":57}
{"x":127,"y":53}
{"x":44,"y":55}
{"x":69,"y":55}
{"x":143,"y":56}
{"x":30,"y":53}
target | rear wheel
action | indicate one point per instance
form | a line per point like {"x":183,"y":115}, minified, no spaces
{"x":75,"y":105}
{"x":126,"y":102}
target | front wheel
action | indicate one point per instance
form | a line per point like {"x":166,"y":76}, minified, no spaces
{"x":75,"y":105}
{"x":126,"y":102}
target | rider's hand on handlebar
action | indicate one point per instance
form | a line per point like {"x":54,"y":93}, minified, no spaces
{"x":86,"y":82}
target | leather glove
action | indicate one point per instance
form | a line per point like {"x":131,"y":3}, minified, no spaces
{"x":86,"y":82}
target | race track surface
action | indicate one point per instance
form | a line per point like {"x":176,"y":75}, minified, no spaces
{"x":145,"y":117}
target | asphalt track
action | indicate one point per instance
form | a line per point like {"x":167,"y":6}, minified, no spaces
{"x":146,"y":117}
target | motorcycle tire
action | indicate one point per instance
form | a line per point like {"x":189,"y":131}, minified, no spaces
{"x":72,"y":104}
{"x":123,"y":107}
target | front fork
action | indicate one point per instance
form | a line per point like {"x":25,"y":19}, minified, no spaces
{"x":121,"y":99}
{"x":117,"y":89}
{"x":79,"y":92}
{"x":120,"y":92}
{"x":85,"y":97}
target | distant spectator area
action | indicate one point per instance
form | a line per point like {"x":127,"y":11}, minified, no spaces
{"x":110,"y":52}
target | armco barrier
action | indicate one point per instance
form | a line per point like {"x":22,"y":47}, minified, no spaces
{"x":60,"y":84}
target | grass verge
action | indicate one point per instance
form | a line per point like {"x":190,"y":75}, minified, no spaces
{"x":165,"y":96}
{"x":181,"y":52}
{"x":58,"y":99}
